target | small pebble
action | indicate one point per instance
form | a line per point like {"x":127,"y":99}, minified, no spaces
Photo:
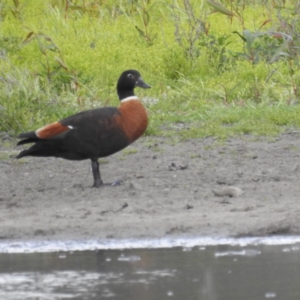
{"x":177,"y":166}
{"x":189,"y":206}
{"x":230,"y":191}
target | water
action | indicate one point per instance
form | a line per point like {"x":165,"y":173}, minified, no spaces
{"x":250,"y":271}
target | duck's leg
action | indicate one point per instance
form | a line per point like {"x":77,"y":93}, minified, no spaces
{"x":97,"y":177}
{"x":96,"y":173}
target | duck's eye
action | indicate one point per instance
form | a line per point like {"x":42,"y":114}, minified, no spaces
{"x":130,"y":75}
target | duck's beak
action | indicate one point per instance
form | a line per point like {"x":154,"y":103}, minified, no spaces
{"x":142,"y":84}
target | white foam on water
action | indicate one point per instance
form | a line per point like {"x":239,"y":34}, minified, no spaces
{"x":244,"y":252}
{"x":111,"y":244}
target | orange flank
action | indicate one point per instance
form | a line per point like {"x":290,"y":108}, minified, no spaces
{"x":133,"y":119}
{"x":51,"y":131}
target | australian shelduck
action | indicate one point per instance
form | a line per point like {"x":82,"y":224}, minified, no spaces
{"x":93,"y":133}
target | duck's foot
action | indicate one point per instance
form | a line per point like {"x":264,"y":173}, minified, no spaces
{"x":98,"y":184}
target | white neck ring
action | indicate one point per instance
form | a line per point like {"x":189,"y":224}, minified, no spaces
{"x":129,"y":98}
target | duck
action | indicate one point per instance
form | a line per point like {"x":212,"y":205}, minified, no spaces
{"x":94,"y":133}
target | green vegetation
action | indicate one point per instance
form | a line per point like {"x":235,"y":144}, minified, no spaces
{"x":216,"y":68}
{"x":129,"y":151}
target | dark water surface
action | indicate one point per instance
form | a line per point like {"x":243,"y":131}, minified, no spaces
{"x":211,"y":272}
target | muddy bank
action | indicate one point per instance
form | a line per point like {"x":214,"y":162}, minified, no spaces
{"x":168,"y":189}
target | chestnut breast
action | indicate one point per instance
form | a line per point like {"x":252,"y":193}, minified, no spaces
{"x":132,"y":120}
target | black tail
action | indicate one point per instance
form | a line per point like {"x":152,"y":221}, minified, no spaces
{"x":28,"y":137}
{"x":41,"y":148}
{"x":24,"y":153}
{"x":26,"y":141}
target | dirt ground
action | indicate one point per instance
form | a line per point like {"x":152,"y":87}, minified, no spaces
{"x":169,"y":189}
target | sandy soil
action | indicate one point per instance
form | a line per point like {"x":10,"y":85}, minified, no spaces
{"x":168,"y":189}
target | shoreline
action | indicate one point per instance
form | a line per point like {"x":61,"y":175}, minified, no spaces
{"x":167,"y":192}
{"x":128,"y":244}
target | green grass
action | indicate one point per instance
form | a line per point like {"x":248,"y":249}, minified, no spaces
{"x":4,"y":156}
{"x":56,"y":61}
{"x":224,"y":121}
{"x":129,"y":151}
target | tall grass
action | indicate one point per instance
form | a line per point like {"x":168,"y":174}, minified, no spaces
{"x":221,"y":68}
